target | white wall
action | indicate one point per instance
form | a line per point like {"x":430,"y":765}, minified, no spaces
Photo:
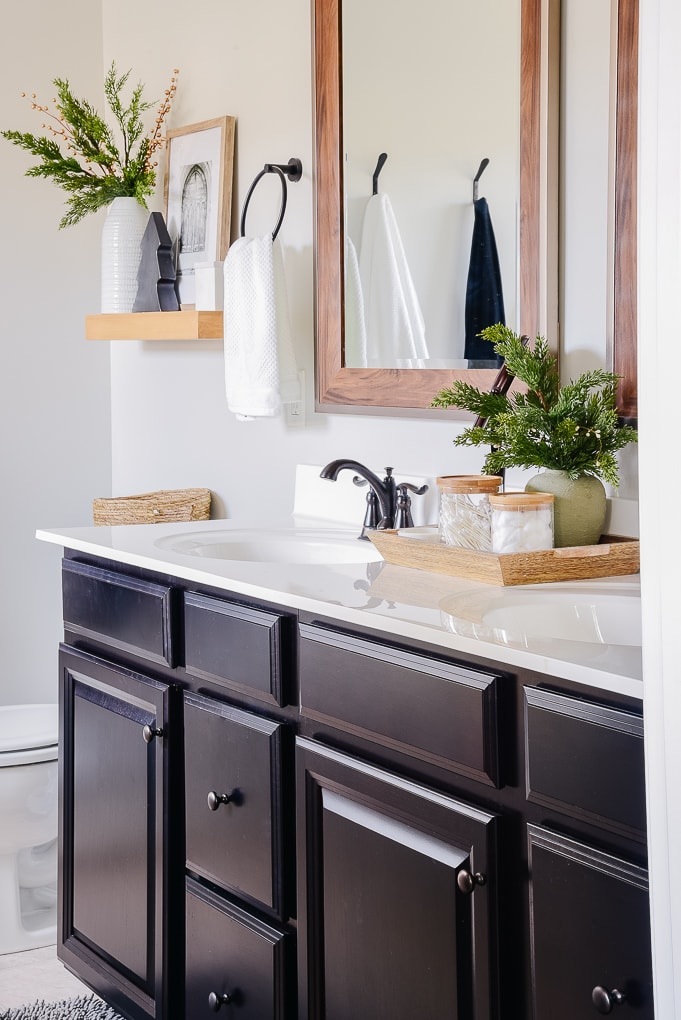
{"x":660,"y":273}
{"x":54,"y":412}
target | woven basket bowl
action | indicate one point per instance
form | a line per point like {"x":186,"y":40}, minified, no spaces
{"x":153,"y":507}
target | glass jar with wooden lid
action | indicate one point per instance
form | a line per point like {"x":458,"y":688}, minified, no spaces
{"x":465,"y":515}
{"x":521,"y":521}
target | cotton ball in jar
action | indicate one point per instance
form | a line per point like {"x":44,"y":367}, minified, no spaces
{"x":522,"y":522}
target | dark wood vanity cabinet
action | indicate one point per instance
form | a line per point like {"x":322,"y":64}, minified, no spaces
{"x":274,"y":816}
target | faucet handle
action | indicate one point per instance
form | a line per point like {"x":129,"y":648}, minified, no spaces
{"x":403,"y":517}
{"x":417,"y":490}
{"x":372,"y":517}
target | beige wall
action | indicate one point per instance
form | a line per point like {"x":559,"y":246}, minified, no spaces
{"x":55,"y":433}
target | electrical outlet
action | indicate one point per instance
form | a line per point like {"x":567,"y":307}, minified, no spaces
{"x":295,"y":412}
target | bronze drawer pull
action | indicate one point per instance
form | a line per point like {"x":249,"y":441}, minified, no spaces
{"x":467,"y":882}
{"x":604,"y":1000}
{"x":148,"y":732}
{"x":216,"y":799}
{"x":215,"y":1001}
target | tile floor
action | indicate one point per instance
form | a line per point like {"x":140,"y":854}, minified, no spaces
{"x":35,"y":974}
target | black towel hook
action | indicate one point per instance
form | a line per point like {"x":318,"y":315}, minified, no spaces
{"x":379,"y":166}
{"x":481,"y":169}
{"x":293,"y":170}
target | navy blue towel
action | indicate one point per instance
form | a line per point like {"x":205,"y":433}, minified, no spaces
{"x":484,"y":294}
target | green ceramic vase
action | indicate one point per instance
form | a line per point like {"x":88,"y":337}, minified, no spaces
{"x":579,"y":506}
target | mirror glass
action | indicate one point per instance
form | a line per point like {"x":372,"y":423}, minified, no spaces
{"x":424,"y":269}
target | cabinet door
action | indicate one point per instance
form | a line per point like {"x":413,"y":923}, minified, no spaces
{"x":396,"y":895}
{"x":113,"y":789}
{"x":590,"y":931}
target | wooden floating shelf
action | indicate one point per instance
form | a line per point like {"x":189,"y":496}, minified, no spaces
{"x":185,"y":325}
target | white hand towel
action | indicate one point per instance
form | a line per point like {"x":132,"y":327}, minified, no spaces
{"x":260,"y":365}
{"x":394,"y":323}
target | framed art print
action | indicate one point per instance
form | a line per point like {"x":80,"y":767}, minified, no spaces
{"x":198,"y":196}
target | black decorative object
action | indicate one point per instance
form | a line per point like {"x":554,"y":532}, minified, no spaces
{"x":156,"y":282}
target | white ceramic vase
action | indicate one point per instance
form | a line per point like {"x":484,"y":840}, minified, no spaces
{"x":126,"y":221}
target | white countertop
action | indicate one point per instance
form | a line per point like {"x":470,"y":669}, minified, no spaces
{"x":514,"y":626}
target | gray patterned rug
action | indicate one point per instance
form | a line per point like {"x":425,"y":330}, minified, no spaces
{"x":84,"y":1007}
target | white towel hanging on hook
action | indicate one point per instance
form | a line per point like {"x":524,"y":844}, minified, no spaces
{"x":395,"y":329}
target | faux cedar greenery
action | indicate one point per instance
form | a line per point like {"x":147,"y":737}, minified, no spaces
{"x":572,"y":428}
{"x":80,"y":153}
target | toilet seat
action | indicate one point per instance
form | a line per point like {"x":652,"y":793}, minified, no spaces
{"x":28,"y":734}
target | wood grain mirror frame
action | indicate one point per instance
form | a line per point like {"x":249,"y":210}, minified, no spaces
{"x":410,"y":391}
{"x":625,"y":304}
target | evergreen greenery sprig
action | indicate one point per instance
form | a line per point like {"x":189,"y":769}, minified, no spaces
{"x":573,"y":428}
{"x":80,"y":153}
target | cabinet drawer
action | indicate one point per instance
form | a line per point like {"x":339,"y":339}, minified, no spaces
{"x":586,"y":760}
{"x":123,"y":612}
{"x":238,"y":843}
{"x":235,"y":646}
{"x":425,"y":707}
{"x":589,"y":930}
{"x":230,"y":953}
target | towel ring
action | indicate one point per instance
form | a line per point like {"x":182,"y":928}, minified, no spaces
{"x":293,"y":170}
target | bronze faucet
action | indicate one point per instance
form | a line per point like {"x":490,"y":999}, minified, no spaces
{"x":384,"y":492}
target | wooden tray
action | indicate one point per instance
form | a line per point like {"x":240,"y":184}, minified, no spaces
{"x":423,"y":550}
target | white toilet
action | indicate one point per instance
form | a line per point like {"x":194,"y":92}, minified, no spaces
{"x":28,"y":827}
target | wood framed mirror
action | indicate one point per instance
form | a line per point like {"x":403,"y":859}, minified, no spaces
{"x":410,"y":391}
{"x":344,"y":389}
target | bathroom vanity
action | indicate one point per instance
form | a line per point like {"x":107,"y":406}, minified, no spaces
{"x":336,"y":790}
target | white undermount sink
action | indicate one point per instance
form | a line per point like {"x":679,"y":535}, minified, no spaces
{"x":265,"y":545}
{"x":522,"y":617}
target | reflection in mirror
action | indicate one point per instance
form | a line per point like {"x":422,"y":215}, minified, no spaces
{"x":427,"y":108}
{"x":598,"y":188}
{"x":517,"y":192}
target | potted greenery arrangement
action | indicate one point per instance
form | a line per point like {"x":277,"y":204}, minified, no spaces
{"x":570,"y":432}
{"x":80,"y":154}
